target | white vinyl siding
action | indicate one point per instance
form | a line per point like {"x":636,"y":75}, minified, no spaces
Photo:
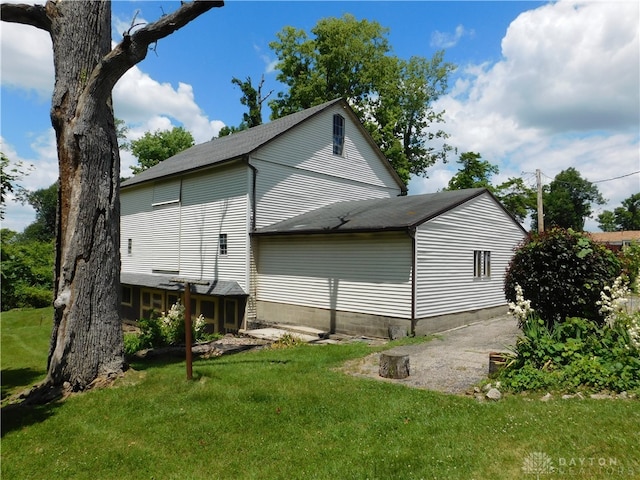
{"x":136,"y":224}
{"x":299,"y":172}
{"x":368,"y":274}
{"x":445,"y":258}
{"x":284,"y":192}
{"x":215,"y":203}
{"x":177,"y":229}
{"x":165,"y":225}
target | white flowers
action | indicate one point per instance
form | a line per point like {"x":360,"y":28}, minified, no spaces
{"x":173,"y":323}
{"x":613,"y":301}
{"x":521,"y":309}
{"x":200,"y":323}
{"x":614,"y":305}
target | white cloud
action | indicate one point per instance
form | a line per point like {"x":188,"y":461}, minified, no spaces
{"x":27,"y":59}
{"x":448,"y":40}
{"x":139,"y":99}
{"x":565,"y":94}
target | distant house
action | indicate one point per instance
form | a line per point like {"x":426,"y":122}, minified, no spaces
{"x":617,"y":240}
{"x":303,"y":220}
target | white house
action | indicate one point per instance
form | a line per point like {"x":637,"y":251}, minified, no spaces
{"x":302,"y":220}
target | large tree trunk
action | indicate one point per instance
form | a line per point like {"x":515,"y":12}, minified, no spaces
{"x":86,"y":340}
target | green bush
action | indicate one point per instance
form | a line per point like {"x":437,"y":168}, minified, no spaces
{"x":27,"y":271}
{"x":572,"y":355}
{"x":562,"y":273}
{"x":630,"y":260}
{"x":132,"y":343}
{"x":166,"y":329}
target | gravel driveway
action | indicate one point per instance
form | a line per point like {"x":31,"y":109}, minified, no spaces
{"x":454,"y":361}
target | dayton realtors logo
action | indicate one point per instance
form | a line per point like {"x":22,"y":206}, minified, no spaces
{"x":538,"y":463}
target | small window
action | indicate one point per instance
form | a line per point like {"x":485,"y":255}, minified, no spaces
{"x":481,"y":263}
{"x":129,"y":246}
{"x":477,"y":263}
{"x":486,"y":264}
{"x":338,"y":134}
{"x":222,"y":242}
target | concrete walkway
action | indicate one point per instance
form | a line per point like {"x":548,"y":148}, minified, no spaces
{"x":454,"y":361}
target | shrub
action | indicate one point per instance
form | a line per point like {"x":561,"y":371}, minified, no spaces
{"x":577,"y":353}
{"x":562,"y":273}
{"x":132,"y":343}
{"x":287,"y":340}
{"x":630,"y":260}
{"x":166,"y":329}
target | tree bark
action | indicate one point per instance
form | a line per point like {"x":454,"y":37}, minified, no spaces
{"x":86,"y":341}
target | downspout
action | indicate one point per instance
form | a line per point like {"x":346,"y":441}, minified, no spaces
{"x":254,"y":170}
{"x":414,"y":282}
{"x":251,"y":253}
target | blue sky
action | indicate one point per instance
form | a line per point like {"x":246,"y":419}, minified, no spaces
{"x":546,"y":85}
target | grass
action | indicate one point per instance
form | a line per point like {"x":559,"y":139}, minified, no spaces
{"x":292,"y":414}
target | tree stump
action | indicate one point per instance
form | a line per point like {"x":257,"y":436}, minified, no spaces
{"x":394,"y":365}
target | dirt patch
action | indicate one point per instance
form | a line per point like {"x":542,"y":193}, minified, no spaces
{"x":453,"y":362}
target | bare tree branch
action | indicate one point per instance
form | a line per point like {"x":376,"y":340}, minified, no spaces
{"x":133,"y":48}
{"x":34,"y":15}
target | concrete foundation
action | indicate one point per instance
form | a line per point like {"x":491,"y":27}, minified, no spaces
{"x":441,"y":323}
{"x":362,"y":324}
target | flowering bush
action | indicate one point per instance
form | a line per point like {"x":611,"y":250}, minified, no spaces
{"x":614,"y":306}
{"x":521,"y":308}
{"x":167,"y":329}
{"x":577,"y":353}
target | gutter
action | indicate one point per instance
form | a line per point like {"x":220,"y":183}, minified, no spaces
{"x":414,"y":283}
{"x":254,"y":170}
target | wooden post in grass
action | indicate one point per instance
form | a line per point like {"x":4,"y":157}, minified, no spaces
{"x":188,"y":340}
{"x":187,"y":328}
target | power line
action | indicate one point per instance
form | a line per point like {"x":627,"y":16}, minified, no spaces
{"x":595,"y":181}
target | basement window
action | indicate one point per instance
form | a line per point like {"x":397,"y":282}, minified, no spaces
{"x":338,"y":134}
{"x":481,"y":263}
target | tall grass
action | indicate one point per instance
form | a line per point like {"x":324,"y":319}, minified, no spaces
{"x":293,"y":414}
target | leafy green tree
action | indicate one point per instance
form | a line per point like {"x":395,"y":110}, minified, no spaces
{"x":474,"y":172}
{"x":518,"y":198}
{"x":26,"y":270}
{"x":252,"y":98}
{"x":351,"y":59}
{"x":45,"y":202}
{"x":9,"y":175}
{"x":121,"y":133}
{"x":626,"y":217}
{"x":153,"y":148}
{"x":607,"y":221}
{"x":567,"y":200}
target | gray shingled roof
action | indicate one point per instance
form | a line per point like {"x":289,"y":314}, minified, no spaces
{"x":225,"y":148}
{"x":164,"y":282}
{"x":380,"y":214}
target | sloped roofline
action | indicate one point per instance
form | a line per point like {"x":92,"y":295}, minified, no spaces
{"x":239,"y":145}
{"x":377,"y":215}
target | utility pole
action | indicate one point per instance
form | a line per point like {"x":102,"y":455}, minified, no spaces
{"x":540,"y":209}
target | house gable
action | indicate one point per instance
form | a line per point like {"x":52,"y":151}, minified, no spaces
{"x":299,"y":172}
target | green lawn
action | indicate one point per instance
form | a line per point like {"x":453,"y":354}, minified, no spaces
{"x":291,"y":414}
